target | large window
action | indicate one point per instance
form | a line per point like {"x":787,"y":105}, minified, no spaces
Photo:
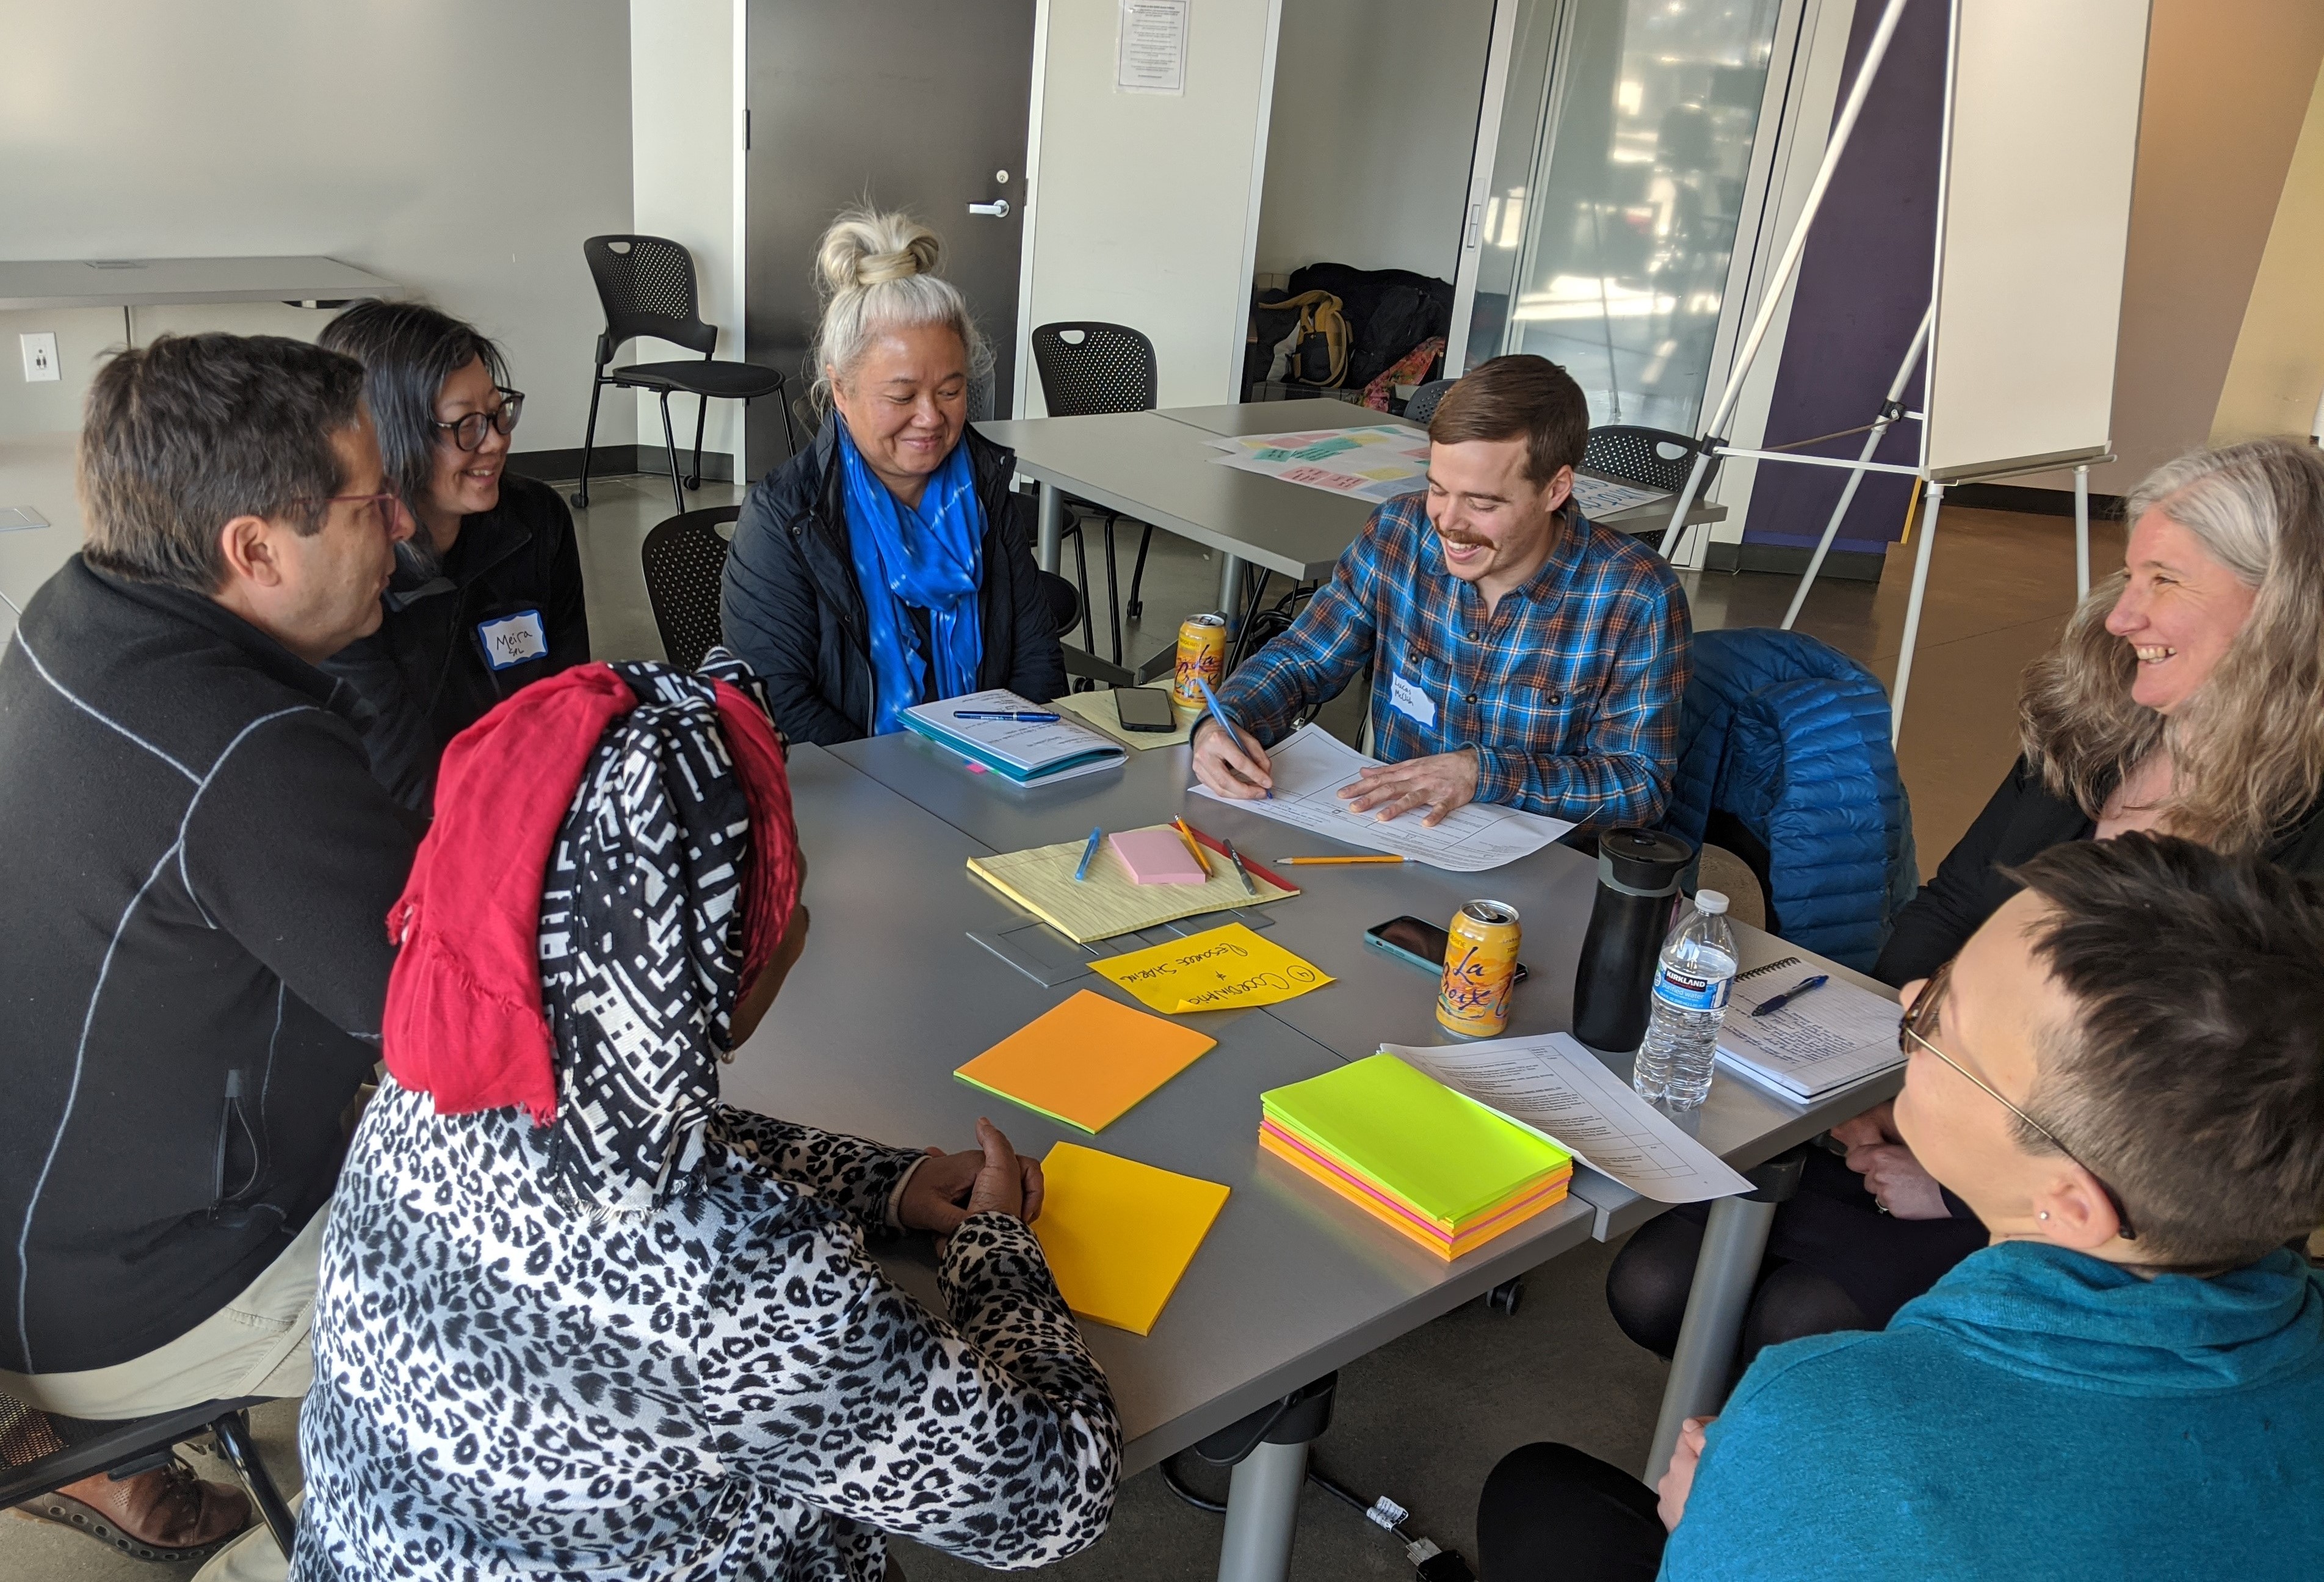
{"x":1619,"y":183}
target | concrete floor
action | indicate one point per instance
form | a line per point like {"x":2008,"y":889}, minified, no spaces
{"x":1424,"y":1419}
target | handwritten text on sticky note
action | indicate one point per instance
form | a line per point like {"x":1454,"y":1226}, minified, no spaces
{"x":1214,"y":970}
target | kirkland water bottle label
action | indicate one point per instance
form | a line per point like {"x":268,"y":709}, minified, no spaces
{"x":1686,"y":992}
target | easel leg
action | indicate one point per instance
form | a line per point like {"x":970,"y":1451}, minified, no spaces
{"x":1936,"y":499}
{"x":2081,"y":532}
{"x":1871,"y":444}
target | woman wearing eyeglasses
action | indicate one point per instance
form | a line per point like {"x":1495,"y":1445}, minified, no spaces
{"x":487,"y":593}
{"x":2186,"y":697}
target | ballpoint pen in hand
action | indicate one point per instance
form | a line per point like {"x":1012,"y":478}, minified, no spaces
{"x":1030,"y":715}
{"x":1777,"y":1001}
{"x":1226,"y":725}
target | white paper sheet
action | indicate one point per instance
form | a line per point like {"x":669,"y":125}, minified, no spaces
{"x":1029,"y":745}
{"x":1311,"y":766}
{"x":1151,"y":52}
{"x":1374,"y":462}
{"x":1603,"y":496}
{"x":1554,"y":1086}
{"x":1825,"y":1040}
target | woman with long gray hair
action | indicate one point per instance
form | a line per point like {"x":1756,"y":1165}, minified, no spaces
{"x":2186,"y":697}
{"x":888,"y":564}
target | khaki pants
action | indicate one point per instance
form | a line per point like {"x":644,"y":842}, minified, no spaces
{"x":256,"y":1345}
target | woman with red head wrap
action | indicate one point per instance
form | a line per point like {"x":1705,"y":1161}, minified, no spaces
{"x":579,"y":1319}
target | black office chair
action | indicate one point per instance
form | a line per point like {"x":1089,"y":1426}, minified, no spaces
{"x":685,"y":563}
{"x":40,"y":1453}
{"x":1088,"y":367}
{"x":1652,"y":458}
{"x":1424,"y":400}
{"x":646,"y":284}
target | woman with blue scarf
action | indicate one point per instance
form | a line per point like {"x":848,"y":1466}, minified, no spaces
{"x":889,"y":564}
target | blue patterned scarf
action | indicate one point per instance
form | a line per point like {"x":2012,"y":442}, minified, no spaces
{"x":930,"y":558}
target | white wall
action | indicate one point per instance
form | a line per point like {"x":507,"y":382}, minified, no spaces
{"x":1374,"y":122}
{"x":462,"y":149}
{"x":686,"y":157}
{"x":1143,"y":204}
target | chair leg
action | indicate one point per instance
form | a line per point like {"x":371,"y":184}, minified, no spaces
{"x":790,"y":434}
{"x":1081,"y":575}
{"x":1113,"y":589}
{"x":701,"y":418}
{"x":669,"y":450}
{"x":233,"y":1431}
{"x":580,"y":496}
{"x":1138,"y":575}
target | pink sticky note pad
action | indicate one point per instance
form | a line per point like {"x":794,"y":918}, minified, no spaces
{"x":1155,"y":857}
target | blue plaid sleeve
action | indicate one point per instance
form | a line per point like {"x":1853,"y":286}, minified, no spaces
{"x":1634,"y":617}
{"x":1313,"y":662}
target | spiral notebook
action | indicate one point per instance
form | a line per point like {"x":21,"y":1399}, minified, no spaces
{"x":1813,"y":1045}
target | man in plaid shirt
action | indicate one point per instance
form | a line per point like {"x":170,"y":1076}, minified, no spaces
{"x":1519,"y":652}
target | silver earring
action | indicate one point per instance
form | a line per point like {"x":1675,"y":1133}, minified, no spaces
{"x":2043,"y":1215}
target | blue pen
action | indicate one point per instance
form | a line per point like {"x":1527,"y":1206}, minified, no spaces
{"x":1777,"y":1001}
{"x":1032,"y":717}
{"x":1088,"y":852}
{"x":1226,"y":724}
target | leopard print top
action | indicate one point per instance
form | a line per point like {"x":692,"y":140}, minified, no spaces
{"x":506,"y":1386}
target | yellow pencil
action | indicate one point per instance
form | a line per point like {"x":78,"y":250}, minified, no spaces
{"x":1193,"y":845}
{"x":1334,"y":862}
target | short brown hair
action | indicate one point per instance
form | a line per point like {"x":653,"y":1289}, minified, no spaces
{"x":184,"y":434}
{"x":1517,"y":396}
{"x":2192,"y":1078}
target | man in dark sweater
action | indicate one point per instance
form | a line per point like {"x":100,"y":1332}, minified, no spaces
{"x":193,"y":894}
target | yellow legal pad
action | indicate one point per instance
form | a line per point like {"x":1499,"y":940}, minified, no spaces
{"x":1087,"y":1061}
{"x":1118,"y":1235}
{"x":1100,"y":709}
{"x":1041,"y":881}
{"x":1215,"y":970}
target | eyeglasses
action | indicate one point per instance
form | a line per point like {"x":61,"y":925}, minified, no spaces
{"x":386,"y":501}
{"x":1915,"y":1029}
{"x":468,"y":430}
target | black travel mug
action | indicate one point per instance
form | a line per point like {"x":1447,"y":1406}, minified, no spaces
{"x":1637,"y":888}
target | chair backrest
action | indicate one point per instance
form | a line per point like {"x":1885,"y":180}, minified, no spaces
{"x":40,"y":1451}
{"x":646,"y":284}
{"x":685,"y":560}
{"x":1652,"y":458}
{"x":1090,"y":367}
{"x":1426,"y":399}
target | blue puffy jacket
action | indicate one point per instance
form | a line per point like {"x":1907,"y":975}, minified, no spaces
{"x":1783,"y":755}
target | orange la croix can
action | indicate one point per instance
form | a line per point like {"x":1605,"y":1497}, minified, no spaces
{"x":1202,"y":658}
{"x":1480,"y":968}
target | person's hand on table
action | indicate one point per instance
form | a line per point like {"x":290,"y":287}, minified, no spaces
{"x":1874,"y":1127}
{"x":1678,"y":1477}
{"x":1236,"y":767}
{"x":948,"y":1187}
{"x":1439,"y":783}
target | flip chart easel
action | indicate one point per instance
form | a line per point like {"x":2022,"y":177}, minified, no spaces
{"x":2038,"y":145}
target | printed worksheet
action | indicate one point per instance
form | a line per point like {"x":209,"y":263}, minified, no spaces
{"x":1555,"y":1087}
{"x":1603,"y":496}
{"x":1376,"y":462}
{"x":1311,"y":764}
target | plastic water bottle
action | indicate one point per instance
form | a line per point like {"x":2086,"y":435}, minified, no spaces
{"x":1690,"y":1002}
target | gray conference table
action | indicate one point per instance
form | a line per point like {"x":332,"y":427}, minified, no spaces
{"x":148,"y":282}
{"x":1159,"y":468}
{"x":892,"y":995}
{"x":1378,"y":999}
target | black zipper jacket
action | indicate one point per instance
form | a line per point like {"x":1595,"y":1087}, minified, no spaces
{"x":194,"y":887}
{"x":425,"y":672}
{"x":792,"y":609}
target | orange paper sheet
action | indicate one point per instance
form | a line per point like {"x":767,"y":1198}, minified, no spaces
{"x":1118,"y":1234}
{"x":1086,"y":1062}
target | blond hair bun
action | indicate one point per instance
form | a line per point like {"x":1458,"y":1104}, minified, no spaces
{"x":875,"y":269}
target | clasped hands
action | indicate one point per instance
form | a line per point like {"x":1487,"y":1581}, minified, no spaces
{"x":947,"y":1188}
{"x":1440,"y":782}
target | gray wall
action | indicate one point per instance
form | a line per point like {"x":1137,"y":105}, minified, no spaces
{"x":461,"y":148}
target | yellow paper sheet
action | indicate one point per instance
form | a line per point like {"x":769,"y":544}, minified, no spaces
{"x":1108,"y":903}
{"x":1215,"y":970}
{"x":1098,"y":710}
{"x":1087,"y":1061}
{"x":1118,"y":1235}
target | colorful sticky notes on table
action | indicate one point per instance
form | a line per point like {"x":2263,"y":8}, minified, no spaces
{"x":1087,"y":1061}
{"x":1118,"y":1235}
{"x":1156,"y":857}
{"x":1215,"y":970}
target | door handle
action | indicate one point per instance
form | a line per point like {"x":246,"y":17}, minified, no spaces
{"x":998,"y":209}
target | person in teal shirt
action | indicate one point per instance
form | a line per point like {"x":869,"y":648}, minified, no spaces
{"x":2123,"y":1074}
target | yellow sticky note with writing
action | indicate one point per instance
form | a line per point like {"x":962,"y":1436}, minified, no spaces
{"x":1118,"y":1234}
{"x":1215,"y":970}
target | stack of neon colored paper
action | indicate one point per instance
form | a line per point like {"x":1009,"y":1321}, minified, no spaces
{"x":1435,"y":1164}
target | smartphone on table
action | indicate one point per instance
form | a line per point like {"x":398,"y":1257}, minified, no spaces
{"x":1421,"y":944}
{"x":1144,"y":708}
